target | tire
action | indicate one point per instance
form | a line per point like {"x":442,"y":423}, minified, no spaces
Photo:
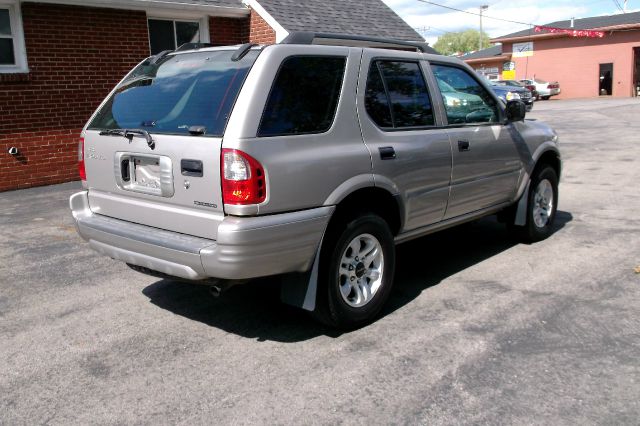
{"x":541,"y":206}
{"x":351,"y":289}
{"x":546,"y":98}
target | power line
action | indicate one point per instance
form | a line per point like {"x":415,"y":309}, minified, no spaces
{"x":475,"y":14}
{"x":618,"y":6}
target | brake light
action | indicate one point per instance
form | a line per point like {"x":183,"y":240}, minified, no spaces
{"x":242,"y":178}
{"x":81,"y":170}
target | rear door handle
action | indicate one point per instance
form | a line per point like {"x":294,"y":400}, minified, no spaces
{"x":387,"y":153}
{"x":463,"y":146}
{"x":191,"y":168}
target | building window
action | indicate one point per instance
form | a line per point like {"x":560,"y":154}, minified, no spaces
{"x":169,"y":35}
{"x":12,"y":57}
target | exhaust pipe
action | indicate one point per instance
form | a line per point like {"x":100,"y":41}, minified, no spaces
{"x":215,"y":290}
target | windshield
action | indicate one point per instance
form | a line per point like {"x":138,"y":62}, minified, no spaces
{"x":178,"y":92}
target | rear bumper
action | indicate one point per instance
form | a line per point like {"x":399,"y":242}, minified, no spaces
{"x":246,"y":247}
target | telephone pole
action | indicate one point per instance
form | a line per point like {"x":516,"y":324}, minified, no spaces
{"x":482,"y":9}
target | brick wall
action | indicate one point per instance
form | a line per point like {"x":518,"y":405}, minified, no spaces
{"x":226,"y":31}
{"x":259,"y":31}
{"x":75,"y":55}
{"x":254,"y":29}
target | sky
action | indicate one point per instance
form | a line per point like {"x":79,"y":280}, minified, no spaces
{"x":432,"y":21}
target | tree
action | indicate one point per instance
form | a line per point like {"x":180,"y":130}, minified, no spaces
{"x":460,"y":42}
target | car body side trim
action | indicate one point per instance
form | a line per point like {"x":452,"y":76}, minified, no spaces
{"x":425,"y":230}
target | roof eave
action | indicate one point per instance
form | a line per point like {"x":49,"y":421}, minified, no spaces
{"x":620,"y":27}
{"x":505,"y":57}
{"x":508,"y":39}
{"x":147,"y":5}
{"x":538,"y":36}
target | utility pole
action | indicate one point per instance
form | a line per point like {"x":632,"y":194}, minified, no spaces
{"x":482,"y":9}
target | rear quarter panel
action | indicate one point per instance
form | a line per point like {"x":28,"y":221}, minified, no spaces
{"x":302,"y":171}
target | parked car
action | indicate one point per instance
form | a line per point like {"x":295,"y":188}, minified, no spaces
{"x":515,"y":83}
{"x":220,"y":164}
{"x":509,"y":93}
{"x":544,"y":88}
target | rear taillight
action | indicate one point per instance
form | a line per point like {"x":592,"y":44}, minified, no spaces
{"x":242,"y":178}
{"x":81,"y":170}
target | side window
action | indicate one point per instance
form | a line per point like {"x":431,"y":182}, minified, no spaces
{"x":304,"y":97}
{"x":465,"y":100}
{"x":375,"y":98}
{"x":396,"y":95}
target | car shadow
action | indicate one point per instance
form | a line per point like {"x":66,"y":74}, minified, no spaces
{"x":254,"y":310}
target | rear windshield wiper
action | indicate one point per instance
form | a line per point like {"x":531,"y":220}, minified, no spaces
{"x":129,"y":134}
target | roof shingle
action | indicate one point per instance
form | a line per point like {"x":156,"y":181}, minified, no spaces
{"x":484,"y":53}
{"x":361,"y":17}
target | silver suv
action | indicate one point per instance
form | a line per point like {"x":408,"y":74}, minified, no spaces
{"x":309,"y":159}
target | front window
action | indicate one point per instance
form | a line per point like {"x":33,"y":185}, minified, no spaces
{"x":465,"y":100}
{"x":12,"y":57}
{"x":177,"y":93}
{"x":169,"y":35}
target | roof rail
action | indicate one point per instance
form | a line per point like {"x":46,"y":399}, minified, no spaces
{"x":302,"y":37}
{"x":152,"y":60}
{"x":242,"y":50}
{"x":192,"y":46}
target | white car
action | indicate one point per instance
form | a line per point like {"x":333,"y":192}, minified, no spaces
{"x":544,"y":88}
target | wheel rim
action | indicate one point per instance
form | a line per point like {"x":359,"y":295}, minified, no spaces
{"x":361,"y":270}
{"x":542,"y":203}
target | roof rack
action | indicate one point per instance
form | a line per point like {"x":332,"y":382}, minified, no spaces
{"x":242,"y":50}
{"x":152,"y":60}
{"x":355,"y":40}
{"x":193,"y":46}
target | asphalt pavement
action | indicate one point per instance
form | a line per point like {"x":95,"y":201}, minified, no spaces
{"x":479,"y":329}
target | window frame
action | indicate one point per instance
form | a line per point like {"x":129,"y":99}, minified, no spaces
{"x":425,"y":79}
{"x":202,"y":21}
{"x":501,"y":113}
{"x":273,"y":85}
{"x":17,"y":36}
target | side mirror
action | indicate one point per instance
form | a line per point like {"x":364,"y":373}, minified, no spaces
{"x":516,"y":110}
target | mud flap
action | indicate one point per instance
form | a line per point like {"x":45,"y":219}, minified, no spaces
{"x":299,"y":289}
{"x":521,"y":212}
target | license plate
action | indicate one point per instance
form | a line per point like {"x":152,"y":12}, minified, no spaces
{"x":146,"y":172}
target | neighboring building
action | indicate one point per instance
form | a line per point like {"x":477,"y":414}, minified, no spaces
{"x":60,"y":58}
{"x":567,"y":52}
{"x":488,"y":62}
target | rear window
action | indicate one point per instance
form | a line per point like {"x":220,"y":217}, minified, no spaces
{"x":181,"y":91}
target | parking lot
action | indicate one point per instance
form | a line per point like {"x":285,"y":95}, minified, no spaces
{"x":479,"y":329}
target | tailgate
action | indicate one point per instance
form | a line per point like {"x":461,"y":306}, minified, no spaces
{"x":152,"y":150}
{"x":175,"y":186}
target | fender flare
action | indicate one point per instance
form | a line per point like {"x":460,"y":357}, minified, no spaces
{"x":520,"y":218}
